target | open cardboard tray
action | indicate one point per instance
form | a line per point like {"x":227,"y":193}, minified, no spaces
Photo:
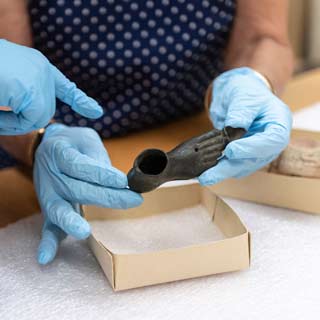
{"x":125,"y":271}
{"x":275,"y":189}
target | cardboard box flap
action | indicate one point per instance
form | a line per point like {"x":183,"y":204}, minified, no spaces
{"x":136,"y":270}
{"x":105,"y":258}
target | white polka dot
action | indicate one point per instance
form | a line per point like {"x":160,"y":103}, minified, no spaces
{"x":59,"y":20}
{"x":169,"y":39}
{"x":171,"y":57}
{"x":176,"y":29}
{"x":128,"y":70}
{"x":134,"y":6}
{"x":84,"y":62}
{"x":50,"y":44}
{"x":158,"y":13}
{"x":153,"y":42}
{"x":51,"y":28}
{"x":136,"y":44}
{"x":126,"y":108}
{"x":135,"y":25}
{"x":52,"y":11}
{"x":119,"y":63}
{"x":102,"y":28}
{"x":82,"y":122}
{"x":119,"y":45}
{"x":190,"y":7}
{"x":119,"y":27}
{"x":160,"y":31}
{"x":115,"y":128}
{"x":174,"y":10}
{"x":127,"y":35}
{"x":67,"y":46}
{"x":93,"y":55}
{"x":59,"y":37}
{"x":163,"y":67}
{"x":85,"y":29}
{"x":93,"y":37}
{"x":68,"y":12}
{"x":137,"y":61}
{"x":154,"y":60}
{"x":110,"y":36}
{"x":185,"y":36}
{"x":126,"y":17}
{"x":84,"y":46}
{"x":145,"y":52}
{"x":76,"y":38}
{"x":76,"y":21}
{"x":124,"y":122}
{"x":144,"y":34}
{"x":183,"y":18}
{"x":149,"y":4}
{"x":117,"y":114}
{"x":107,"y":120}
{"x":151,"y":23}
{"x":97,"y":126}
{"x":102,"y":10}
{"x":128,"y":53}
{"x":217,"y":25}
{"x":192,"y":26}
{"x":162,"y":50}
{"x":146,"y":69}
{"x":111,"y":19}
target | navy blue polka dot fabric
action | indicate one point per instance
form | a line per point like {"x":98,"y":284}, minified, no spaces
{"x":145,"y":62}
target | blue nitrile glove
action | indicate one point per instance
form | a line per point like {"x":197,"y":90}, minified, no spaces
{"x":242,"y":100}
{"x":29,"y":85}
{"x":72,"y":166}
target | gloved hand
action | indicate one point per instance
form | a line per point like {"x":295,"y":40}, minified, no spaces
{"x":29,"y":85}
{"x":242,"y":100}
{"x":72,"y":166}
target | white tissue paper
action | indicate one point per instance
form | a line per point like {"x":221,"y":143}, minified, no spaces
{"x":282,"y":283}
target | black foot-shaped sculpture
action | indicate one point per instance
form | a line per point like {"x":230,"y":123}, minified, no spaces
{"x":188,"y":160}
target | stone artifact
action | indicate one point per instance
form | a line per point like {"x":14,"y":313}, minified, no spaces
{"x":188,"y":160}
{"x":300,"y":158}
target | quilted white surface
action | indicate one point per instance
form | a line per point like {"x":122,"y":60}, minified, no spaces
{"x":282,"y":283}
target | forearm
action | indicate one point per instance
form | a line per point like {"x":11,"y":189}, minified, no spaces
{"x":14,"y":22}
{"x":260,"y":43}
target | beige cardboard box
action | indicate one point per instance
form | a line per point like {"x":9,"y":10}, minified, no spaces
{"x":274,"y":189}
{"x":131,"y":270}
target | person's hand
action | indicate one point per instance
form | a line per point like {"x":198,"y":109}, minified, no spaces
{"x":29,"y":85}
{"x":72,"y":166}
{"x":242,"y":100}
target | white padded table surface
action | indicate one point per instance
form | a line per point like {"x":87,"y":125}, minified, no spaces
{"x":282,"y":283}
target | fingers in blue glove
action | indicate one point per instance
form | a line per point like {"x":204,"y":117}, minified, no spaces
{"x":260,"y":145}
{"x":79,"y":166}
{"x":68,"y":92}
{"x":86,"y":193}
{"x":62,"y":214}
{"x":232,"y":169}
{"x":49,"y":244}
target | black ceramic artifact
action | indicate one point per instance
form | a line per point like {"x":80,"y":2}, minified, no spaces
{"x":188,"y":160}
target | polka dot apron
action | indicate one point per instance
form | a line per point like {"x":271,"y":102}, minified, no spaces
{"x":146,"y":62}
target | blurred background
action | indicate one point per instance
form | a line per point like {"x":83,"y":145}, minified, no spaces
{"x":304,"y":29}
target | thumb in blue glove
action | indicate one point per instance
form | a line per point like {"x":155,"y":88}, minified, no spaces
{"x":29,"y":85}
{"x":242,"y":100}
{"x":73,"y":167}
